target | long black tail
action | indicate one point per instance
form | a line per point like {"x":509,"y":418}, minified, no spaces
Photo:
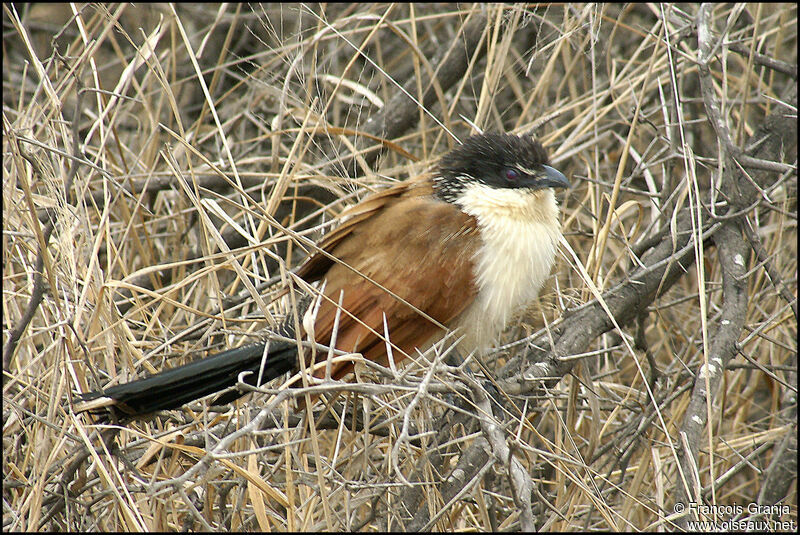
{"x":172,"y":388}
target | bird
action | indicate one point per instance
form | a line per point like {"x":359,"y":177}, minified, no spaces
{"x":459,"y":248}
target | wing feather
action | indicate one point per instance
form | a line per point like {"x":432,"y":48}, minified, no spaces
{"x":418,"y":252}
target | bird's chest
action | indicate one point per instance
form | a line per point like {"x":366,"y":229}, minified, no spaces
{"x":513,"y":261}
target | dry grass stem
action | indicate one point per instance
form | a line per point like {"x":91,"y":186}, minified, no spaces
{"x":166,"y":168}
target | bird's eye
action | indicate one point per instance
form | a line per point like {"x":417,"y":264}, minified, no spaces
{"x":512,"y":175}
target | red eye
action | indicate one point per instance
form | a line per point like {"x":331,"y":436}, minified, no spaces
{"x":512,"y":175}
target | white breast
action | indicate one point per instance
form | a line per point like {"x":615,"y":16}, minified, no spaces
{"x":520,"y":231}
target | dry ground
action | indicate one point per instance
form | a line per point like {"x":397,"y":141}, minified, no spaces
{"x":163,"y":165}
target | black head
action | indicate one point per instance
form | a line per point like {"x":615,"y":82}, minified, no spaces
{"x":498,"y":161}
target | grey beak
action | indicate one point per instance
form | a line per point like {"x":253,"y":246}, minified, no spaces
{"x":553,"y":178}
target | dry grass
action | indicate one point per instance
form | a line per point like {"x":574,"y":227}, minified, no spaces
{"x":183,"y":156}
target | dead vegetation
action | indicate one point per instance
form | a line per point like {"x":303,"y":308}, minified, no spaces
{"x":164,"y":169}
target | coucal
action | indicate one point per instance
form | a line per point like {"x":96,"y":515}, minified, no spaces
{"x":463,"y":247}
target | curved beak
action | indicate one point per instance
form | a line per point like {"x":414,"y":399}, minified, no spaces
{"x":553,"y":178}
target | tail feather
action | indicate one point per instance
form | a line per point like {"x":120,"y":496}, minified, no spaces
{"x":172,"y":388}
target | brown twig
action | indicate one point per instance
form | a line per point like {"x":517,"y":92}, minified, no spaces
{"x":766,"y":61}
{"x":402,"y":112}
{"x":38,"y":278}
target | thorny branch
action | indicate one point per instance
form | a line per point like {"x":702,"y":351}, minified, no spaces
{"x":733,"y":254}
